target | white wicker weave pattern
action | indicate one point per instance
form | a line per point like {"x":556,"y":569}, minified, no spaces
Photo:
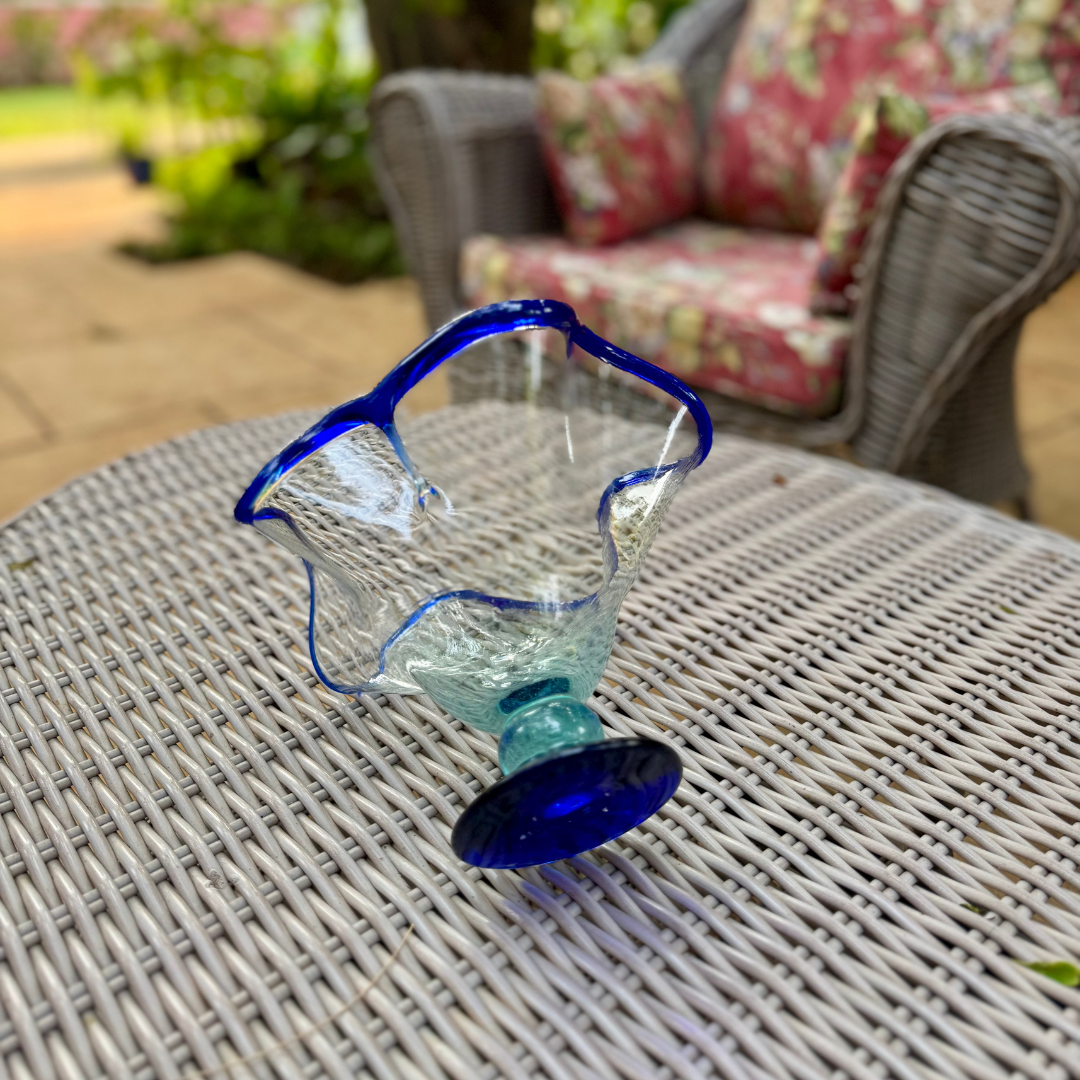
{"x":205,"y":856}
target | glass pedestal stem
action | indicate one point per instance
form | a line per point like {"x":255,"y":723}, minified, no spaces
{"x":544,"y":726}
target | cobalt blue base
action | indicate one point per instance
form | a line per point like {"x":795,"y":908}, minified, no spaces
{"x":570,"y":802}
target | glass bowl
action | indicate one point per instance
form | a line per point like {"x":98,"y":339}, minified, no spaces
{"x":479,"y":552}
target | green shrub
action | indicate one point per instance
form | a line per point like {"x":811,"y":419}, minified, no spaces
{"x":33,"y":56}
{"x":294,"y":182}
{"x":586,"y":37}
{"x":304,"y":193}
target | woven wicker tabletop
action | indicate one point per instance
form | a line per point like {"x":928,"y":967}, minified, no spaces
{"x":211,"y":865}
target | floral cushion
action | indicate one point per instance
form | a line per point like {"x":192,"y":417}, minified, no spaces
{"x":881,"y":136}
{"x":620,"y":151}
{"x":725,"y":309}
{"x":803,"y":69}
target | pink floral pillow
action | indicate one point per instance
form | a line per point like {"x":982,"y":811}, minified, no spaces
{"x":620,"y":151}
{"x":802,"y":71}
{"x":881,"y":136}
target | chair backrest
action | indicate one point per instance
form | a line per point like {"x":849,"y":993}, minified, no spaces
{"x":699,"y":40}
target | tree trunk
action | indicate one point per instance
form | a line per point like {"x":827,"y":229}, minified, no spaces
{"x":475,"y":35}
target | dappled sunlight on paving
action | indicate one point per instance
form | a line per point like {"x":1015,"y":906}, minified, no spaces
{"x":101,"y":355}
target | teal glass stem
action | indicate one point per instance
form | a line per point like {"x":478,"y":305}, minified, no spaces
{"x":543,"y":727}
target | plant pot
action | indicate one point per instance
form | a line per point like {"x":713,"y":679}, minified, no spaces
{"x":140,"y":169}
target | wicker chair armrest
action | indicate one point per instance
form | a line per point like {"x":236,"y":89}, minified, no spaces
{"x":457,"y":154}
{"x":977,"y":225}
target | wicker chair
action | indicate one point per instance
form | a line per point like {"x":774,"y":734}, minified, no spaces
{"x":977,"y":226}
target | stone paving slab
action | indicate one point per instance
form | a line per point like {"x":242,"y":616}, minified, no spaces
{"x":101,"y":355}
{"x":1048,"y":391}
{"x":187,"y":346}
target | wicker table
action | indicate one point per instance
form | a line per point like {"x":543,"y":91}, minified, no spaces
{"x":210,"y":865}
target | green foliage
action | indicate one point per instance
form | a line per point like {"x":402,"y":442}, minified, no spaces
{"x":1059,"y":970}
{"x":34,"y":57}
{"x":585,"y":37}
{"x":305,"y":195}
{"x":179,"y":59}
{"x":294,"y":182}
{"x":293,"y":179}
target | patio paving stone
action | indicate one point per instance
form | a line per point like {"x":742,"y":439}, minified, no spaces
{"x":35,"y":470}
{"x":85,"y":385}
{"x":1054,"y":461}
{"x":18,"y":429}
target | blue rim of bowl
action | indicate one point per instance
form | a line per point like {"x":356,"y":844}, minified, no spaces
{"x":378,"y":407}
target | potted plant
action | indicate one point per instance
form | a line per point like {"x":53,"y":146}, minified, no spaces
{"x":135,"y":156}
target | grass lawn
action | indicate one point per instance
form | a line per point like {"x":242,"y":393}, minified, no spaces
{"x":53,"y":110}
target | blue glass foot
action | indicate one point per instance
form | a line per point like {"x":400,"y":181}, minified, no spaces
{"x":568,"y":802}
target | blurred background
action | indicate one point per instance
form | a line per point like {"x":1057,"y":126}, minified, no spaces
{"x":190,"y":231}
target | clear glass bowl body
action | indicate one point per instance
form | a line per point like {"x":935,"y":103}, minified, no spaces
{"x":479,"y":552}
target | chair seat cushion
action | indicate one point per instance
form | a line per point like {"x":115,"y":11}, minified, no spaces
{"x":725,"y":309}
